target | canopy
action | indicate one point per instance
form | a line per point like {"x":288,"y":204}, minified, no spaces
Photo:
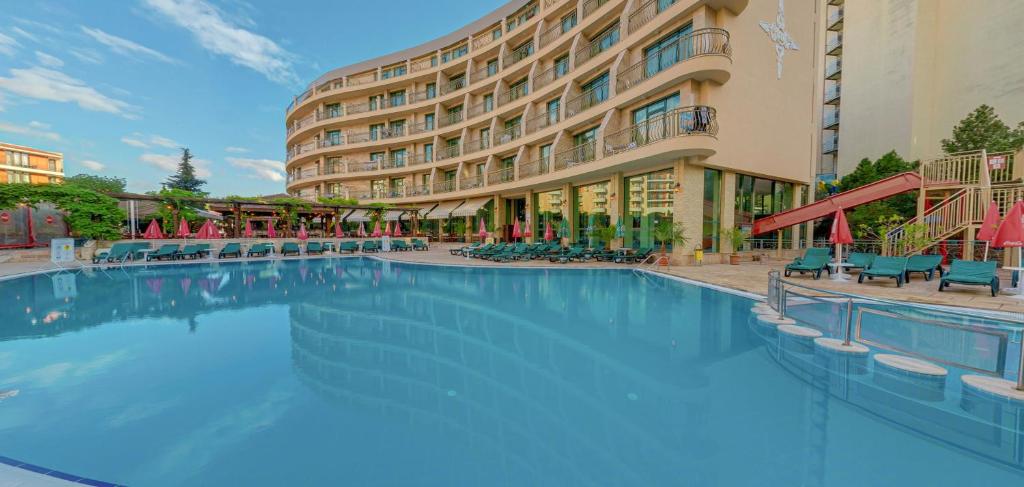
{"x":470,"y":207}
{"x":423,"y":211}
{"x":209,"y":214}
{"x":393,"y":215}
{"x":443,"y":210}
{"x":357,"y":216}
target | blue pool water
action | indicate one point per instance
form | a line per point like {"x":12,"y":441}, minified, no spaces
{"x":359,"y":372}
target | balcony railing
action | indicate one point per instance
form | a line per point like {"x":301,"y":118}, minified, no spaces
{"x":484,"y":40}
{"x":300,"y":149}
{"x":597,"y":45}
{"x":831,"y":118}
{"x":422,"y":95}
{"x":835,"y":17}
{"x":829,"y":145}
{"x":550,"y":35}
{"x":518,"y":54}
{"x":832,"y":93}
{"x":590,"y":6}
{"x":453,"y":85}
{"x":480,"y":109}
{"x":483,"y":73}
{"x":420,"y":158}
{"x":422,"y":64}
{"x":302,"y":122}
{"x":450,"y":118}
{"x":534,"y":168}
{"x":680,"y":122}
{"x":423,"y":189}
{"x":644,"y":13}
{"x":580,"y":154}
{"x":476,"y":145}
{"x":394,"y":162}
{"x":444,"y":186}
{"x":330,"y":142}
{"x":358,"y":138}
{"x":329,"y":114}
{"x":363,"y":166}
{"x":449,"y":152}
{"x":541,"y":121}
{"x":362,"y":79}
{"x":513,"y":94}
{"x":703,"y":42}
{"x":471,"y":182}
{"x":500,"y":176}
{"x":549,"y":75}
{"x":586,"y":100}
{"x":424,"y":126}
{"x":833,"y":68}
{"x":509,"y":134}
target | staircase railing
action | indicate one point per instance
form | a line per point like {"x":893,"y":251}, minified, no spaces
{"x":939,"y":222}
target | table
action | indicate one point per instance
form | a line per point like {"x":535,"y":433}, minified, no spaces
{"x":838,"y":274}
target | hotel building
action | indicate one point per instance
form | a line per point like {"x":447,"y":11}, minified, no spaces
{"x":19,"y":164}
{"x":595,"y":112}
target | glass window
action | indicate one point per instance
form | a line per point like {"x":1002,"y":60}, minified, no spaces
{"x":669,"y":50}
{"x":568,"y":22}
{"x":585,"y":136}
{"x":333,"y":110}
{"x":397,"y":98}
{"x":492,"y":67}
{"x":561,"y":66}
{"x":51,"y":164}
{"x":548,"y":211}
{"x":376,"y":130}
{"x":591,"y":212}
{"x":712,"y":210}
{"x":553,"y":110}
{"x":648,"y":202}
{"x":428,"y":152}
{"x":545,"y":158}
{"x":653,"y":113}
{"x":398,"y":157}
{"x":397,"y":187}
{"x":377,"y":188}
{"x":518,"y":89}
{"x":597,"y":89}
{"x":431,"y":90}
{"x":333,"y":137}
{"x":377,"y":156}
{"x":496,"y":33}
{"x":485,"y":138}
{"x":428,"y":121}
{"x":396,"y":128}
{"x":372,"y":102}
{"x":488,"y":102}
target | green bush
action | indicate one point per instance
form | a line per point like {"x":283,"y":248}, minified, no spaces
{"x":88,"y":214}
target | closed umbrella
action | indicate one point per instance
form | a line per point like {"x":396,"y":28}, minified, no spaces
{"x":337,"y":230}
{"x":303,"y":234}
{"x":483,"y":229}
{"x":214,"y":231}
{"x":840,"y":235}
{"x":183,"y":230}
{"x":619,"y":232}
{"x":387,"y":229}
{"x":1011,"y":234}
{"x":376,"y":230}
{"x":248,"y":229}
{"x":516,"y":231}
{"x":271,"y":233}
{"x":153,"y":230}
{"x":362,"y":230}
{"x":397,"y":231}
{"x":549,"y":233}
{"x":528,"y":230}
{"x":989,"y":225}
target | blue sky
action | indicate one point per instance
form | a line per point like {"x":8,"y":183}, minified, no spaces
{"x":119,"y":85}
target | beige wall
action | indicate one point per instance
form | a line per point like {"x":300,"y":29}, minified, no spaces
{"x":913,"y":68}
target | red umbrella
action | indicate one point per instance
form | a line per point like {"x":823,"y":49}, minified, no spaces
{"x":483,"y":228}
{"x":989,"y":225}
{"x":397,"y":231}
{"x":1011,"y":232}
{"x":271,"y":233}
{"x":248,"y":229}
{"x":214,"y":231}
{"x":155,"y":284}
{"x":303,"y":234}
{"x":186,"y":284}
{"x":840,"y":235}
{"x":549,"y":233}
{"x":387,"y":229}
{"x":529,"y":230}
{"x":516,"y":231}
{"x":337,"y":230}
{"x":183,"y":230}
{"x":362,"y":230}
{"x":376,"y":229}
{"x":153,"y":230}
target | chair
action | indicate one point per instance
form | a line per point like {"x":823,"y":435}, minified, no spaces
{"x":258,"y":250}
{"x":204,"y":249}
{"x":418,"y":244}
{"x":231,"y":249}
{"x":604,"y":255}
{"x":191,"y":251}
{"x":370,"y":246}
{"x":860,"y":260}
{"x":349,"y":247}
{"x":639,"y":256}
{"x":166,"y":251}
{"x":813,"y":251}
{"x":476,"y":251}
{"x":290,"y":248}
{"x":925,"y":264}
{"x":400,"y":246}
{"x":814,"y":263}
{"x":328,"y":247}
{"x":137,"y":250}
{"x":971,"y":273}
{"x":464,"y":249}
{"x":116,"y":253}
{"x":894,"y":267}
{"x":313,"y":248}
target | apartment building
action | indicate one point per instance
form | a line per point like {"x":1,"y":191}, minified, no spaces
{"x":592,"y":112}
{"x":911,"y":69}
{"x":20,"y":164}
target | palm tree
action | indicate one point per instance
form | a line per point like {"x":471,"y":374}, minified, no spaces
{"x":667,"y":231}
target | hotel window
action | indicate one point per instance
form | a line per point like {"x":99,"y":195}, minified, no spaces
{"x":649,"y":121}
{"x":488,"y":102}
{"x":51,"y":164}
{"x":518,"y":89}
{"x":454,"y":53}
{"x":431,"y":90}
{"x":396,"y":128}
{"x":452,"y":147}
{"x":485,"y":138}
{"x":591,"y":211}
{"x":428,"y":121}
{"x":669,"y":50}
{"x":428,"y":152}
{"x":513,"y":128}
{"x":397,"y":187}
{"x":372,"y":102}
{"x":507,"y":169}
{"x":333,"y":110}
{"x":561,"y":66}
{"x":433,"y":61}
{"x":712,"y":210}
{"x":585,"y":136}
{"x":496,"y":33}
{"x":605,"y":39}
{"x":332,"y":137}
{"x":376,"y":156}
{"x":568,"y":22}
{"x":597,"y":89}
{"x":492,"y":67}
{"x":17,"y":159}
{"x":396,"y":98}
{"x":376,"y":130}
{"x":648,"y":202}
{"x":377,"y":188}
{"x":332,"y":166}
{"x":425,"y":179}
{"x":449,"y":175}
{"x":548,"y":209}
{"x":398,"y":157}
{"x":455,"y":114}
{"x":545,"y":157}
{"x":480,"y":169}
{"x":553,"y":110}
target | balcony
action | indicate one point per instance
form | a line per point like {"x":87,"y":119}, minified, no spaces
{"x":831,"y":120}
{"x":580,"y":154}
{"x":680,"y":122}
{"x":518,"y":54}
{"x":449,"y":152}
{"x":534,"y":168}
{"x":481,"y":108}
{"x":829,"y":145}
{"x":835,"y":20}
{"x":509,"y":134}
{"x":444,"y":186}
{"x":453,"y":85}
{"x":644,"y":13}
{"x":597,"y":45}
{"x":483,"y":73}
{"x":834,"y":69}
{"x":549,"y":75}
{"x":500,"y":176}
{"x":473,"y":182}
{"x":591,"y":6}
{"x":586,"y":100}
{"x":834,"y":47}
{"x":421,"y":190}
{"x":832,"y":95}
{"x":422,"y":64}
{"x":477,"y":144}
{"x":541,"y":121}
{"x":703,"y":42}
{"x":361,"y":79}
{"x":451,"y":118}
{"x":516,"y":92}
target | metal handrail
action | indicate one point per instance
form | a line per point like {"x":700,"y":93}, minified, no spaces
{"x":548,"y":76}
{"x":509,"y":134}
{"x":503,"y":175}
{"x":696,"y":120}
{"x":551,"y":34}
{"x":535,"y":167}
{"x":699,"y":43}
{"x":590,"y":6}
{"x":513,"y":94}
{"x":587,"y":99}
{"x":541,"y":121}
{"x":594,"y":47}
{"x":518,"y":54}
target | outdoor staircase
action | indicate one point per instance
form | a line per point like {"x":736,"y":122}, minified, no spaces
{"x":974,"y":185}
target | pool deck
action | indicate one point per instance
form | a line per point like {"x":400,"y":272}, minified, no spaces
{"x":751,"y":277}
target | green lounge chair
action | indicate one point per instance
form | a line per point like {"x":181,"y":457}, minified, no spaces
{"x":894,"y":267}
{"x":349,"y":247}
{"x":574,"y":253}
{"x":290,"y":248}
{"x":548,"y":250}
{"x":465,"y":249}
{"x":400,"y":246}
{"x":860,"y":260}
{"x":258,"y":250}
{"x":497,"y":249}
{"x":191,"y":251}
{"x":811,"y":252}
{"x":971,"y":273}
{"x":370,"y":246}
{"x":314,"y":248}
{"x":231,"y":249}
{"x":814,"y":263}
{"x":137,"y":250}
{"x":925,"y":264}
{"x":604,"y":255}
{"x":116,"y":252}
{"x":514,"y":252}
{"x":166,"y":251}
{"x":328,"y":247}
{"x":474,"y":252}
{"x":639,"y":256}
{"x":418,"y":244}
{"x":204,"y":249}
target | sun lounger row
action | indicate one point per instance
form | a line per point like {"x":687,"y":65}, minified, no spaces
{"x":553,"y":252}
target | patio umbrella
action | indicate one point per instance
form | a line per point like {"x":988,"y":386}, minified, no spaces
{"x":183,"y":230}
{"x":248,"y":229}
{"x":387,"y":228}
{"x":153,"y":230}
{"x":528,"y":231}
{"x":1011,"y":232}
{"x":214,"y":231}
{"x":549,"y":234}
{"x":989,"y":225}
{"x":337,"y":230}
{"x":840,"y":235}
{"x":397,"y":231}
{"x":563,"y":229}
{"x":303,"y":234}
{"x":516,"y":231}
{"x":271,"y":233}
{"x":590,"y":230}
{"x":619,"y":233}
{"x":376,"y":230}
{"x":362,"y":230}
{"x":155,"y":285}
{"x":483,"y":228}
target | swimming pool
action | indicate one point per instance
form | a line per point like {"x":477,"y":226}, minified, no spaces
{"x":355,"y":371}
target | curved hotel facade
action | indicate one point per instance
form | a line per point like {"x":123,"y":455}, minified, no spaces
{"x":594,"y":112}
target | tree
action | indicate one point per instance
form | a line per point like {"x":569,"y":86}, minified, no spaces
{"x":902,"y":205}
{"x":667,"y":232}
{"x":185,"y":179}
{"x":99,"y":184}
{"x":982,"y":129}
{"x":88,"y":214}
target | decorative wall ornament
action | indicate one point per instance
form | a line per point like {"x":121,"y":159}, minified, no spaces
{"x":782,"y":40}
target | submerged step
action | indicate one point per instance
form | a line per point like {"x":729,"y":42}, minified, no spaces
{"x":774,"y":319}
{"x":836,"y":345}
{"x":994,"y":386}
{"x":911,"y":365}
{"x":799,"y":331}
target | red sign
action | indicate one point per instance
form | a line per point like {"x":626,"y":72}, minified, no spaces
{"x":996,"y":162}
{"x":5,"y":217}
{"x":49,"y":219}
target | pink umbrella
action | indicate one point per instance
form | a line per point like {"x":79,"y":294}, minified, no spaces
{"x":549,"y":233}
{"x":183,"y":230}
{"x":214,"y":231}
{"x":397,"y":231}
{"x":186,"y":284}
{"x":153,"y":230}
{"x":387,"y":229}
{"x":483,"y":228}
{"x":207,"y":230}
{"x":529,"y":232}
{"x":376,"y":230}
{"x":271,"y":233}
{"x":989,"y":225}
{"x":362,"y":230}
{"x":516,"y":231}
{"x":1011,"y":232}
{"x":303,"y":234}
{"x":248,"y":229}
{"x":155,"y":284}
{"x":840,"y":235}
{"x":337,"y":230}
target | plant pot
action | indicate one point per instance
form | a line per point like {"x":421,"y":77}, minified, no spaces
{"x":734,"y":259}
{"x":663,"y":261}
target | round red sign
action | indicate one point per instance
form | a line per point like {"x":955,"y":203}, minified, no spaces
{"x":49,"y":219}
{"x":5,"y":217}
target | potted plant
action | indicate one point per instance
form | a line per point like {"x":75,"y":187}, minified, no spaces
{"x":667,"y":232}
{"x":606,"y":235}
{"x":735,"y":236}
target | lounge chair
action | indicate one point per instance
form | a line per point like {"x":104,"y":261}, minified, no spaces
{"x":860,"y":260}
{"x":166,"y":251}
{"x":815,"y":263}
{"x":574,"y":253}
{"x":418,"y":244}
{"x":370,"y":246}
{"x":231,"y":249}
{"x":639,"y":256}
{"x":547,"y":250}
{"x":894,"y":267}
{"x":971,"y":273}
{"x":497,"y":249}
{"x":137,"y":250}
{"x":204,"y":249}
{"x":465,"y":249}
{"x":813,"y":251}
{"x":400,"y":246}
{"x":191,"y":251}
{"x":290,"y":248}
{"x":258,"y":250}
{"x":116,"y":253}
{"x":328,"y":247}
{"x":313,"y":248}
{"x":925,"y":264}
{"x":350,"y":247}
{"x":519,"y":251}
{"x":475,"y":252}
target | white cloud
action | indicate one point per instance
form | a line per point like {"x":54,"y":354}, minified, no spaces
{"x":134,"y":142}
{"x":169,"y":163}
{"x":139,"y":140}
{"x":87,"y":56}
{"x":7,"y":45}
{"x":21,"y":32}
{"x":33,"y":129}
{"x":47,"y":84}
{"x":125,"y":47}
{"x":163,"y":142}
{"x":48,"y":60}
{"x":267,"y":169}
{"x":236,"y":150}
{"x":219,"y":36}
{"x":93,"y":165}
